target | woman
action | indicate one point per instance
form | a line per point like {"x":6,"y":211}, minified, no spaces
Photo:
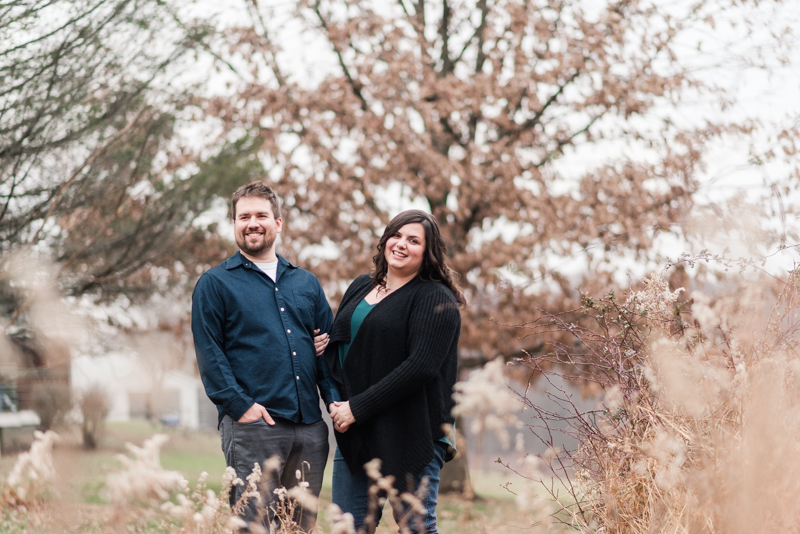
{"x":393,"y":351}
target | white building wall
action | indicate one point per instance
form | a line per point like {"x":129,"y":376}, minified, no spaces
{"x":122,"y":374}
{"x":187,"y":390}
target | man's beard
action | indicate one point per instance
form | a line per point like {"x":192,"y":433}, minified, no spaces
{"x":266,"y":244}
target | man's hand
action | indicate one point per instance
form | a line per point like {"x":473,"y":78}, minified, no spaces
{"x":254,"y":413}
{"x":320,"y":342}
{"x":342,"y":416}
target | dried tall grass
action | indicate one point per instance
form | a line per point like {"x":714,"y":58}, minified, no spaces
{"x":699,"y":427}
{"x":32,"y":479}
{"x":146,"y":494}
{"x":145,"y":497}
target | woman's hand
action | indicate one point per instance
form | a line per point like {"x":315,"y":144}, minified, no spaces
{"x":342,"y":416}
{"x":320,"y":342}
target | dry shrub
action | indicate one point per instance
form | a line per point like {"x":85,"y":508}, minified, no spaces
{"x":52,"y":402}
{"x":94,"y":405}
{"x":698,"y":431}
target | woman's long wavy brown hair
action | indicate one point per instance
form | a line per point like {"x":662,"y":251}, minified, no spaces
{"x":434,"y":261}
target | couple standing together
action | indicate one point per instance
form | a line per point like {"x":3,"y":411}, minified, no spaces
{"x":260,"y":325}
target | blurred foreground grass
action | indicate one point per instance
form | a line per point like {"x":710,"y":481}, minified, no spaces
{"x":80,"y":505}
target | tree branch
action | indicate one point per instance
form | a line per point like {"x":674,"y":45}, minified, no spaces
{"x":96,"y":154}
{"x":481,"y":31}
{"x":404,"y":8}
{"x":272,"y":61}
{"x":355,"y":85}
{"x":559,"y":149}
{"x":444,"y":33}
{"x":533,"y":121}
{"x":66,"y":25}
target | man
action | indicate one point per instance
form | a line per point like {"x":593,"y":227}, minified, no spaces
{"x":253,"y":319}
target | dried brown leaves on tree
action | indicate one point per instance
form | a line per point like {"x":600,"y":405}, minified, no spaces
{"x":469,"y":106}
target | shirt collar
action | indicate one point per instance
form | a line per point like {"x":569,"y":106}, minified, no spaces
{"x":238,"y":260}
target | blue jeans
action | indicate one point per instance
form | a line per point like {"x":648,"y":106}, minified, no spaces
{"x":350,"y":491}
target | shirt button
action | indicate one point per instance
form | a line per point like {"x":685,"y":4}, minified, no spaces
{"x":276,"y":289}
{"x":294,"y":354}
{"x":281,"y":309}
{"x":298,"y":378}
{"x":289,"y":331}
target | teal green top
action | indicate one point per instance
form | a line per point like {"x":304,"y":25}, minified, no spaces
{"x":359,"y":314}
{"x":361,"y":311}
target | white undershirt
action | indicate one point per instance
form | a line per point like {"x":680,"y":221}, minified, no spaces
{"x":270,"y":268}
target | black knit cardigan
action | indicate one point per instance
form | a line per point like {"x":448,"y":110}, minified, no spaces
{"x":398,"y":375}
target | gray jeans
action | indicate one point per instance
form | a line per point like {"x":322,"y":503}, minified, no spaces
{"x":300,"y":447}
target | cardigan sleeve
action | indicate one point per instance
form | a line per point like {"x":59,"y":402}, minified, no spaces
{"x":434,"y":327}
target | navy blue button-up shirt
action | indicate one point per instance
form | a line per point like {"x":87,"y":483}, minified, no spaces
{"x":254,"y":340}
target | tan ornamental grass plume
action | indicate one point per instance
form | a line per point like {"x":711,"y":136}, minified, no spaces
{"x":145,"y":494}
{"x":142,"y":479}
{"x":486,"y":398}
{"x":33,"y":476}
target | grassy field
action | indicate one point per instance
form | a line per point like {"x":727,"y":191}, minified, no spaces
{"x":81,"y":475}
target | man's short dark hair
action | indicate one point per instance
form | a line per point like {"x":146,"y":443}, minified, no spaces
{"x":256,"y":189}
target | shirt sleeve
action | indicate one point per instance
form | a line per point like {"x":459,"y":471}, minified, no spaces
{"x":434,"y":326}
{"x":324,"y":319}
{"x":208,"y":321}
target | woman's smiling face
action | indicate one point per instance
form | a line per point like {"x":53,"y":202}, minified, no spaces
{"x":405,"y":250}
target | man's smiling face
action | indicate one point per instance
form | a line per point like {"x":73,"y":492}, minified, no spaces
{"x":255,"y":227}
